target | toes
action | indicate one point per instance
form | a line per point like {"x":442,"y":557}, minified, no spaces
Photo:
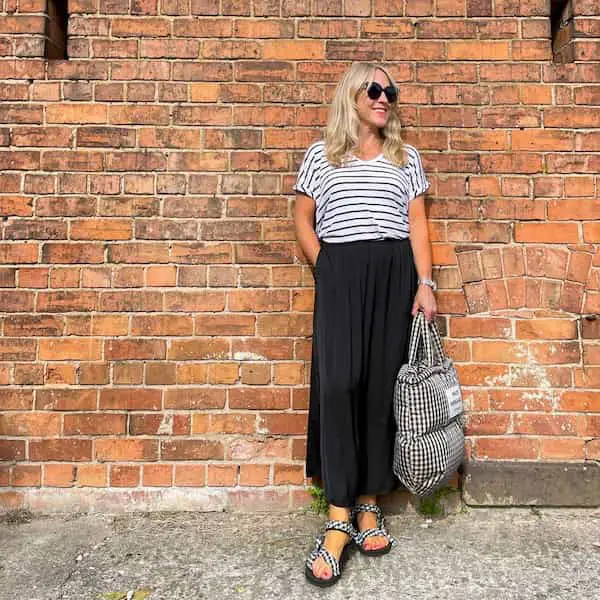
{"x":321,"y":571}
{"x":375,"y":543}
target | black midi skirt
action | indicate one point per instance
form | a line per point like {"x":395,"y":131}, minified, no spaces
{"x":364,"y":292}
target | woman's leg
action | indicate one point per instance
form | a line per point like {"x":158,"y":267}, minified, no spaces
{"x":334,"y":541}
{"x":368,"y":520}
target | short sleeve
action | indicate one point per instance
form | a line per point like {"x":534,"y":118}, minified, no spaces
{"x":418,"y":180}
{"x":308,"y":178}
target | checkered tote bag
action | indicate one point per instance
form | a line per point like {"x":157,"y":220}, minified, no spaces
{"x":429,"y":413}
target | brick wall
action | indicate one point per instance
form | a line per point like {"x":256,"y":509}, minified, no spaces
{"x":157,"y":312}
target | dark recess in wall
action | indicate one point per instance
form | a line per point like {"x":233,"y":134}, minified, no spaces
{"x":57,"y":20}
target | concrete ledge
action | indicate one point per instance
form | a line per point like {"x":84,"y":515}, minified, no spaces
{"x":483,"y":483}
{"x":116,"y":501}
{"x":507,"y":483}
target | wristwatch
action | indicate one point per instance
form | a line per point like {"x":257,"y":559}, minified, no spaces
{"x":432,"y":284}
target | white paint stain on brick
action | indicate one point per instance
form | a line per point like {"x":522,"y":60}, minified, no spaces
{"x":166,"y":425}
{"x":248,"y":356}
{"x":548,"y":395}
{"x":499,"y":381}
{"x":260,"y":428}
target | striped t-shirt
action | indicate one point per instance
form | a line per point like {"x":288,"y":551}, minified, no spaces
{"x":362,"y":199}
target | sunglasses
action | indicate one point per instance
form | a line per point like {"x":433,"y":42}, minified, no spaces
{"x":374,"y":91}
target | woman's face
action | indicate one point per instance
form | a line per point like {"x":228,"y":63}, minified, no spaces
{"x":374,"y":113}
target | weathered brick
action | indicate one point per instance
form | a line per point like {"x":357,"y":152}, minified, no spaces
{"x":75,"y":450}
{"x":188,"y":449}
{"x":126,"y":449}
{"x":153,"y":288}
{"x":124,"y":475}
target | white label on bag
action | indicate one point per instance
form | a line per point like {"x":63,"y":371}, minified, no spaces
{"x":454,"y":401}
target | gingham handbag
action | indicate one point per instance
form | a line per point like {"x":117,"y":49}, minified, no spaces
{"x":428,"y":407}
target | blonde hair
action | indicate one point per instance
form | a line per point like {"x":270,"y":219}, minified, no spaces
{"x":341,"y":133}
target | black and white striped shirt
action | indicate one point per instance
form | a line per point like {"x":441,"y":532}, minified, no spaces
{"x":362,"y":199}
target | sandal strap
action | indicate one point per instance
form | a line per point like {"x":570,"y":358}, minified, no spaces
{"x":376,"y":531}
{"x":380,"y":530}
{"x":369,"y":508}
{"x":321,"y":551}
{"x":343,"y":526}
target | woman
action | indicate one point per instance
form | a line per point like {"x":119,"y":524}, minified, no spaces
{"x":363,"y":187}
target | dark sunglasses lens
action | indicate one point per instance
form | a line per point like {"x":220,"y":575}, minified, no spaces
{"x":375,"y":89}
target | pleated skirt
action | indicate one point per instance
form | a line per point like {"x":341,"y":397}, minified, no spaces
{"x":364,"y":292}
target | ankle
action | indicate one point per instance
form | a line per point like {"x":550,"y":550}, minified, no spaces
{"x":339,"y":513}
{"x":366,"y":500}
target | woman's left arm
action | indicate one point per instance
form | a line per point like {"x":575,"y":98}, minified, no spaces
{"x":419,"y":240}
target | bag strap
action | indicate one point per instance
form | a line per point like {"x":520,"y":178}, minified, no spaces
{"x":426,"y":335}
{"x":413,"y":342}
{"x":415,"y":338}
{"x":438,"y":347}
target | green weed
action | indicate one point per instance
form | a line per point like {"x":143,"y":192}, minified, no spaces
{"x":431,"y":505}
{"x":319,"y":504}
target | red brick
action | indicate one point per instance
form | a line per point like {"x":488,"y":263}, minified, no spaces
{"x":94,"y":424}
{"x":13,"y":349}
{"x":223,"y":373}
{"x":30,"y":424}
{"x":195,"y":398}
{"x":124,"y":475}
{"x":254,"y":475}
{"x":487,"y":424}
{"x":227,"y":423}
{"x":282,"y":423}
{"x":257,"y":398}
{"x":507,"y":448}
{"x":562,"y":448}
{"x":26,"y":476}
{"x":499,"y":351}
{"x":559,"y":425}
{"x":480,"y":327}
{"x":159,"y":424}
{"x":65,"y":399}
{"x":70,"y":349}
{"x":288,"y":474}
{"x":157,"y":475}
{"x":59,"y":475}
{"x":12,"y":449}
{"x":126,"y":449}
{"x":191,"y":449}
{"x":130,"y":399}
{"x":511,"y":400}
{"x":482,"y":375}
{"x":60,"y":450}
{"x":16,"y":399}
{"x":190,"y":475}
{"x":91,"y":475}
{"x":549,"y":329}
{"x":221,"y":475}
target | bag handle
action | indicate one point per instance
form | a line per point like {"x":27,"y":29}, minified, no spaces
{"x":415,"y":339}
{"x":426,"y":334}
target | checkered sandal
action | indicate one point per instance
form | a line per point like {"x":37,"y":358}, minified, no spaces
{"x":380,"y":530}
{"x":320,"y":551}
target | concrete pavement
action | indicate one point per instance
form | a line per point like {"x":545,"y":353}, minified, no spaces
{"x":477,"y":554}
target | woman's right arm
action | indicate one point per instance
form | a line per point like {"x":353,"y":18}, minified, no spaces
{"x":304,"y":219}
